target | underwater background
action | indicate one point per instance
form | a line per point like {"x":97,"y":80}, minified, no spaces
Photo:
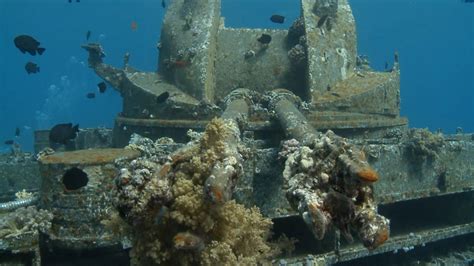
{"x":434,"y":38}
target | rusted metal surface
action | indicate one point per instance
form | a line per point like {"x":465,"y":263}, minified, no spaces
{"x":21,"y":249}
{"x":244,"y":62}
{"x":188,"y":46}
{"x":400,"y":178}
{"x":331,"y":45}
{"x":322,"y":120}
{"x":406,"y":178}
{"x":401,"y":242}
{"x":368,"y":92}
{"x":76,"y":188}
{"x":88,"y":157}
{"x":87,"y":138}
{"x":201,"y":61}
{"x":347,"y":124}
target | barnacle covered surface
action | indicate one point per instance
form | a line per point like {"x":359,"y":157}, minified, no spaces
{"x":24,"y":220}
{"x":176,"y":217}
{"x":423,"y":145}
{"x":23,"y":194}
{"x":329,"y":182}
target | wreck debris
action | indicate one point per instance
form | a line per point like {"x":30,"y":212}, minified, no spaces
{"x":80,"y":180}
{"x":96,"y":53}
{"x":396,"y":64}
{"x":126,"y":58}
{"x":179,"y":206}
{"x":218,"y":186}
{"x":423,"y":145}
{"x":297,"y":56}
{"x":326,"y":7}
{"x":321,"y":21}
{"x":296,"y":31}
{"x":363,"y":64}
{"x":25,"y":220}
{"x":326,"y":10}
{"x":327,"y":179}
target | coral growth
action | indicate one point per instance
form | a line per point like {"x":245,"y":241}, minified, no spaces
{"x":423,"y":145}
{"x":178,"y":204}
{"x":329,"y":182}
{"x":23,"y":194}
{"x":24,"y":220}
{"x":368,"y":174}
{"x":297,"y":56}
{"x":342,"y":211}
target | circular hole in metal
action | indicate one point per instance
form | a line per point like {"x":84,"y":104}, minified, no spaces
{"x":75,"y":178}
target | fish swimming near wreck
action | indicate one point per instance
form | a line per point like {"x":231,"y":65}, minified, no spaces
{"x":28,"y":44}
{"x":277,"y":19}
{"x":264,"y":39}
{"x":63,"y":133}
{"x":31,"y":67}
{"x":102,"y":87}
{"x":90,"y":95}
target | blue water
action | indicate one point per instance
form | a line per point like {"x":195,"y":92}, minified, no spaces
{"x":435,"y":40}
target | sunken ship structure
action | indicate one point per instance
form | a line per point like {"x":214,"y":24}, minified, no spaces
{"x":300,"y":127}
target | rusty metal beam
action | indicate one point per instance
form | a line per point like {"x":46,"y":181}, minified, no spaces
{"x":395,"y":243}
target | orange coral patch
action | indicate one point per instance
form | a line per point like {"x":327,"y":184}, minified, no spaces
{"x":380,"y":238}
{"x":179,"y":238}
{"x":368,"y":174}
{"x":186,"y":241}
{"x":164,"y":170}
{"x":313,"y":207}
{"x":218,"y":197}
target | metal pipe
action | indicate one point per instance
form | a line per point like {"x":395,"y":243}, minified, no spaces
{"x":15,"y":204}
{"x":218,"y":186}
{"x":292,"y":120}
{"x":237,"y":106}
{"x":323,"y":174}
